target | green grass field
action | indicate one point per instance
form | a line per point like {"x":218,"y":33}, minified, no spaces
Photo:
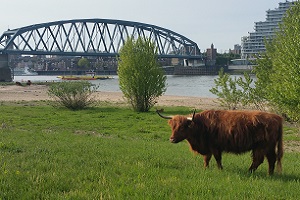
{"x":111,"y":152}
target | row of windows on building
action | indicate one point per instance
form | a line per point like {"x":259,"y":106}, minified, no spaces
{"x":253,"y":44}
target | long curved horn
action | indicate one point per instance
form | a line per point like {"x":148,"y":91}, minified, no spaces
{"x":192,"y":119}
{"x":165,"y":117}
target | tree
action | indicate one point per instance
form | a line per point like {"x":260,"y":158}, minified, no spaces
{"x":141,"y":79}
{"x":279,"y":68}
{"x":225,"y":58}
{"x":84,"y":63}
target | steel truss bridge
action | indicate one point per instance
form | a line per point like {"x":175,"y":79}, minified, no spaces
{"x":93,"y":37}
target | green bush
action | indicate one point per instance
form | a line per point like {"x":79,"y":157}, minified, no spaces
{"x":73,"y":95}
{"x":236,"y":93}
{"x":227,"y":91}
{"x":252,"y":96}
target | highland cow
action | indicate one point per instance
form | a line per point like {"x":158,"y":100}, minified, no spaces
{"x":212,"y":132}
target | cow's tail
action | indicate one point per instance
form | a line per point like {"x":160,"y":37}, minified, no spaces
{"x":279,"y":148}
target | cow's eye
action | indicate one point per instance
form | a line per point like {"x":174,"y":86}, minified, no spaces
{"x":185,"y":126}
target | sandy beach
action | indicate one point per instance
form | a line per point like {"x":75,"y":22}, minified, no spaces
{"x":39,"y":92}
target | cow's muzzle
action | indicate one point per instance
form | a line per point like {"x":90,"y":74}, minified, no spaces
{"x":173,"y":140}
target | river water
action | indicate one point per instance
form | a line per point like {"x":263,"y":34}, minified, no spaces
{"x":197,"y":86}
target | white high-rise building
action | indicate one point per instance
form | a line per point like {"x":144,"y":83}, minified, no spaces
{"x":254,"y":42}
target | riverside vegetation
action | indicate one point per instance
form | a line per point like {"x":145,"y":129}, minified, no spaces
{"x":110,"y":152}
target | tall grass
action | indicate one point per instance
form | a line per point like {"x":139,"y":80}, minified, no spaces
{"x":114,"y":153}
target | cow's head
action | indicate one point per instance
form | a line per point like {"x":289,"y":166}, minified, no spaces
{"x":180,"y":126}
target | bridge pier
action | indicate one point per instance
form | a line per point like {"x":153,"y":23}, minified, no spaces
{"x":5,"y":72}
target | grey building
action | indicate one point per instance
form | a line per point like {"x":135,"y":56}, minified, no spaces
{"x":254,"y":42}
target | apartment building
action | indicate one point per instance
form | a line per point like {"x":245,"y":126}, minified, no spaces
{"x":254,"y":42}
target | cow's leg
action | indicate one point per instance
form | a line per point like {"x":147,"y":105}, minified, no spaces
{"x":218,"y":157}
{"x":206,"y":159}
{"x":257,"y":159}
{"x":271,"y":156}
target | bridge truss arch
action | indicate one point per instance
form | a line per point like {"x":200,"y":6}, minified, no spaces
{"x":93,"y":37}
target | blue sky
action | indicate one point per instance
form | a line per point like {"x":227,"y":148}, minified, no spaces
{"x":220,"y":22}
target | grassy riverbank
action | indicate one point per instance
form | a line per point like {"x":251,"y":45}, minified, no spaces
{"x":112,"y":152}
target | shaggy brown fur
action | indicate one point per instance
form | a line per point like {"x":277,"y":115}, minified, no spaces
{"x":213,"y":131}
